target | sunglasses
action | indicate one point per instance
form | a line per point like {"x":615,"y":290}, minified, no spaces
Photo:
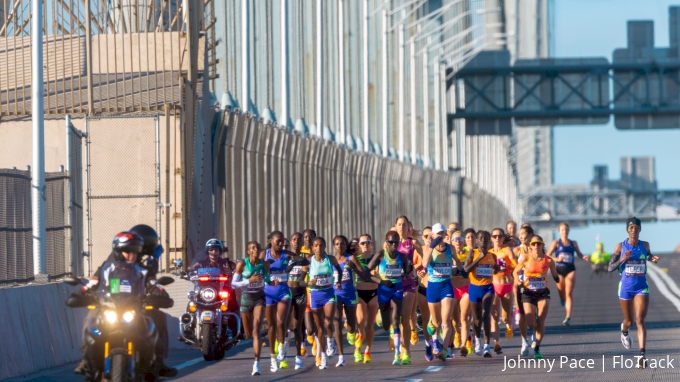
{"x":393,"y":242}
{"x":536,"y":244}
{"x":497,"y":236}
{"x":460,"y":239}
{"x":368,"y":242}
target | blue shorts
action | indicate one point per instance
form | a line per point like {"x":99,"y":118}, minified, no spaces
{"x":321,"y":297}
{"x":386,"y":294}
{"x":274,"y":295}
{"x":477,"y":292}
{"x":436,"y":292}
{"x":347,"y":297}
{"x":629,"y":292}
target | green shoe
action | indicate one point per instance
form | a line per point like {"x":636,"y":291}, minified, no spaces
{"x":537,"y":354}
{"x":351,"y":337}
{"x":405,"y":359}
{"x":431,"y":329}
{"x":283,"y":364}
{"x":357,"y":356}
{"x":396,"y":361}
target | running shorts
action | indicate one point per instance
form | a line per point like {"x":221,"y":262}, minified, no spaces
{"x":518,"y":297}
{"x":477,"y":292}
{"x":367,"y":295}
{"x":502,"y":289}
{"x":564,"y":270}
{"x":422,"y":290}
{"x":629,"y":292}
{"x":460,"y":292}
{"x":277,"y":296}
{"x":299,"y":295}
{"x":250,"y":300}
{"x":386,"y":294}
{"x":533,"y":297}
{"x":322,"y":297}
{"x":349,"y":298}
{"x":436,"y":292}
{"x":409,"y":285}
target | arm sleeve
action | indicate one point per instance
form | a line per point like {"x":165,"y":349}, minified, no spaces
{"x":238,"y":281}
{"x":614,"y":263}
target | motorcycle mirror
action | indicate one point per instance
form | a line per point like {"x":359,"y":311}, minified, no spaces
{"x":178,"y":263}
{"x":70,"y":280}
{"x":165,"y":280}
{"x":159,"y":302}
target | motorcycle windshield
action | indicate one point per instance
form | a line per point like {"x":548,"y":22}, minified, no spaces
{"x":122,"y":282}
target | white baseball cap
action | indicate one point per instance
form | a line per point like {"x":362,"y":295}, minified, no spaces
{"x":438,"y":227}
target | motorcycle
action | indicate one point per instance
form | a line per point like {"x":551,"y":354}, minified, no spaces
{"x":208,"y":325}
{"x":120,"y":337}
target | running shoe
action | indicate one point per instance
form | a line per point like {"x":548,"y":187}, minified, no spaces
{"x":396,"y":361}
{"x":274,"y":365}
{"x":468,"y":345}
{"x":351,"y":338}
{"x":405,"y":359}
{"x":367,"y":357}
{"x":464,"y":351}
{"x":456,"y":340}
{"x":533,"y":341}
{"x":478,"y":346}
{"x":314,"y":353}
{"x":497,"y":348}
{"x":358,"y":341}
{"x":318,"y":361}
{"x":378,"y":320}
{"x":537,"y":354}
{"x":303,"y":351}
{"x":391,"y":344}
{"x":357,"y":356}
{"x":509,"y":333}
{"x":431,"y":329}
{"x":566,"y":321}
{"x":436,"y":347}
{"x":444,"y":355}
{"x":330,"y":347}
{"x":341,"y":361}
{"x":280,"y":348}
{"x":525,"y":349}
{"x":414,"y":337}
{"x":310,"y":339}
{"x":487,"y":351}
{"x":642,"y":362}
{"x":428,"y":353}
{"x":256,"y":369}
{"x":449,"y":353}
{"x":298,"y":363}
{"x":625,"y":339}
{"x":283,"y":364}
{"x":324,"y":363}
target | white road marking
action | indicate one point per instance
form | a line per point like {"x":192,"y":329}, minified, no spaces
{"x":657,"y":277}
{"x":189,"y":363}
{"x":433,"y":369}
{"x":413,"y":380}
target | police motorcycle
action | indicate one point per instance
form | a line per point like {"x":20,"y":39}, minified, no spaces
{"x":209,"y":325}
{"x":120,"y":337}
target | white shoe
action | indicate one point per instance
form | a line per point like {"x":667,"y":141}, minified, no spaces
{"x":281,"y":352}
{"x":525,"y":349}
{"x":324,"y":363}
{"x":298,"y":363}
{"x":330,"y":347}
{"x":478,"y":346}
{"x":275,"y":366}
{"x":256,"y":369}
{"x":625,"y":339}
{"x":341,"y":361}
{"x":487,"y":351}
{"x":533,"y":341}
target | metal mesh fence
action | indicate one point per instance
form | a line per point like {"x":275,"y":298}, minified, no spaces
{"x":123,"y":185}
{"x":74,"y":164}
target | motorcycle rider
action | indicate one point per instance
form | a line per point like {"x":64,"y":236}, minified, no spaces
{"x":130,"y":246}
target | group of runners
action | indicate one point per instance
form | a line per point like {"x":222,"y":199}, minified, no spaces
{"x":465,"y":283}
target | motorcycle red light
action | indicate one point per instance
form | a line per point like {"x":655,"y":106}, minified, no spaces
{"x":204,"y":278}
{"x":224,"y":278}
{"x":224,"y":294}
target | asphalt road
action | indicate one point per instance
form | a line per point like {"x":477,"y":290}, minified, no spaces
{"x":593,"y":336}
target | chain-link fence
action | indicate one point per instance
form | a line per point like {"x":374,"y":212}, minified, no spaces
{"x":123,"y":178}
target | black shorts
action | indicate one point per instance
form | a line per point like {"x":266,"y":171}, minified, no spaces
{"x":299,"y":295}
{"x":250,"y":300}
{"x":422,"y":290}
{"x":518,"y":297}
{"x":533,"y":298}
{"x":367,"y":295}
{"x":564,"y":270}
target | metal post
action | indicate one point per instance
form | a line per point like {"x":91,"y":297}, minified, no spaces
{"x":385,"y":146}
{"x":341,"y":71}
{"x":159,"y":205}
{"x":319,"y":66}
{"x":38,"y":164}
{"x":426,"y":109}
{"x":245,"y":56}
{"x":365,"y":73}
{"x":412,"y":74}
{"x":69,"y":168}
{"x":284,"y":63}
{"x":402,"y":111}
{"x":443,"y":104}
{"x":437,"y":116}
{"x":88,"y":57}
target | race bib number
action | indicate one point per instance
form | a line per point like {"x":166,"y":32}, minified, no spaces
{"x":296,"y":271}
{"x":484,"y":271}
{"x":635,"y":269}
{"x":536,"y":283}
{"x":282,"y":277}
{"x":258,"y":285}
{"x":346,"y":276}
{"x":441,"y":270}
{"x":567,"y":257}
{"x":323,"y":280}
{"x":393,"y":271}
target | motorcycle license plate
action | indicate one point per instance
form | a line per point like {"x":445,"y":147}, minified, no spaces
{"x":206,"y":316}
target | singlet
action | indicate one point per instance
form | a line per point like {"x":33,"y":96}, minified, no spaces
{"x":347,"y":278}
{"x":634,"y":269}
{"x":364,"y":265}
{"x":407,"y":248}
{"x":250,"y":270}
{"x":390,"y":269}
{"x":567,"y":251}
{"x":439,"y":268}
{"x":535,"y":273}
{"x":295,"y":274}
{"x":504,"y":261}
{"x":523,"y":251}
{"x":277,"y":271}
{"x":482,"y":273}
{"x":322,"y":271}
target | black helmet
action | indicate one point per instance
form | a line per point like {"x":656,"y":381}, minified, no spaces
{"x":150,"y":237}
{"x":127,"y":242}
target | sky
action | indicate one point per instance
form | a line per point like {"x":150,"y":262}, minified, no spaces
{"x":594,"y":28}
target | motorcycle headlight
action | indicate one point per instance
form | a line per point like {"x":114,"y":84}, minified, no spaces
{"x":208,"y":294}
{"x":111,"y":316}
{"x":129,"y":316}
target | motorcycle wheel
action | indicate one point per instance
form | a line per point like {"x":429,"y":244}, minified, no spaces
{"x":219,"y":354}
{"x":118,"y":368}
{"x":207,"y":342}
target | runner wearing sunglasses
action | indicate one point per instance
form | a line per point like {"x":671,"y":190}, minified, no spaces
{"x":368,"y":303}
{"x":421,"y":296}
{"x":521,"y":252}
{"x":534,"y":289}
{"x":461,"y":298}
{"x":503,"y":286}
{"x":480,"y":266}
{"x":408,"y":246}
